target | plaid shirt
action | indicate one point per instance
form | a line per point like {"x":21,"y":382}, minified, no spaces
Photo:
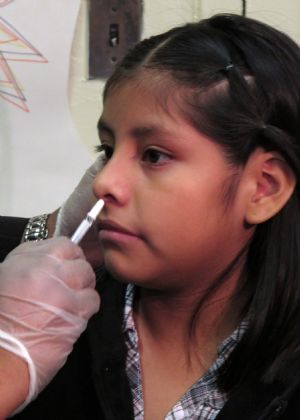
{"x":203,"y":401}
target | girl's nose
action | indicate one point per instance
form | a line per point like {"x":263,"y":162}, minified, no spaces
{"x":112,"y":182}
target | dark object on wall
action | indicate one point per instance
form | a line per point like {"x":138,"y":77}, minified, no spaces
{"x":114,"y":27}
{"x":244,"y":7}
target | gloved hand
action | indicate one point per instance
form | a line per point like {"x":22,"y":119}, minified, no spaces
{"x":46,"y":298}
{"x":75,"y":209}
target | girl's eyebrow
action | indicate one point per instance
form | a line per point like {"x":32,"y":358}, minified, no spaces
{"x":145,"y":131}
{"x":139,"y":133}
{"x":152,"y":132}
{"x":102,"y":126}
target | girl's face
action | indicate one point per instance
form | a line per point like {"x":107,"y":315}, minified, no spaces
{"x":167,"y":223}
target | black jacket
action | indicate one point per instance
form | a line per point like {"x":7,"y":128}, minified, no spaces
{"x":11,"y":231}
{"x":93,"y":385}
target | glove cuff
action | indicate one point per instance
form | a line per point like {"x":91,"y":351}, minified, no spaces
{"x":11,"y":344}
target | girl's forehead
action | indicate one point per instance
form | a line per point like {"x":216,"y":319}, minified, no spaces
{"x":158,"y":93}
{"x":131,"y":107}
{"x":159,"y":84}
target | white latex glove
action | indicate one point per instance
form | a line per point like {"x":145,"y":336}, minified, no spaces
{"x":75,"y":209}
{"x":46,"y":298}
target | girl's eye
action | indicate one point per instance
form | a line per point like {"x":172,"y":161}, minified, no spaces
{"x":106,"y":151}
{"x":155,"y":156}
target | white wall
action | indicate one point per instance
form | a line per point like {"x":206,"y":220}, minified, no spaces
{"x":85,"y":96}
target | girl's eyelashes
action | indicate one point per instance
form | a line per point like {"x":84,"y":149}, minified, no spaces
{"x":105,"y":149}
{"x":152,"y":155}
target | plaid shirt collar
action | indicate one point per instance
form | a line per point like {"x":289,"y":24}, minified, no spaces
{"x":203,"y":401}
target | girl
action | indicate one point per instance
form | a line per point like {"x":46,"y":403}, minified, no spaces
{"x":200,"y":138}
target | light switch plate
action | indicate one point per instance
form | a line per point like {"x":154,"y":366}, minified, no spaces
{"x":114,"y":27}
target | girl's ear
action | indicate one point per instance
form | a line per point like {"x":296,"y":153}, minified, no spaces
{"x":272,"y":184}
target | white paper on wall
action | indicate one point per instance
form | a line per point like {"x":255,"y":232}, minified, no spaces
{"x":41,"y":155}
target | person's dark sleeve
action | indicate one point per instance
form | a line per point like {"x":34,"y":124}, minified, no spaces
{"x":11,"y":231}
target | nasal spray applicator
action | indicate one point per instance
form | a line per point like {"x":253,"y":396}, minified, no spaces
{"x":87,"y":222}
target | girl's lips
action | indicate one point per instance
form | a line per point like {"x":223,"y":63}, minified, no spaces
{"x":113,"y":226}
{"x":111,"y":230}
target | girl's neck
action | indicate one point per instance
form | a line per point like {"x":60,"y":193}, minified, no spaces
{"x":172,"y":358}
{"x":168,"y":318}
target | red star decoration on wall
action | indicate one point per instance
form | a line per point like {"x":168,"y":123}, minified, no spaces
{"x":14,"y":47}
